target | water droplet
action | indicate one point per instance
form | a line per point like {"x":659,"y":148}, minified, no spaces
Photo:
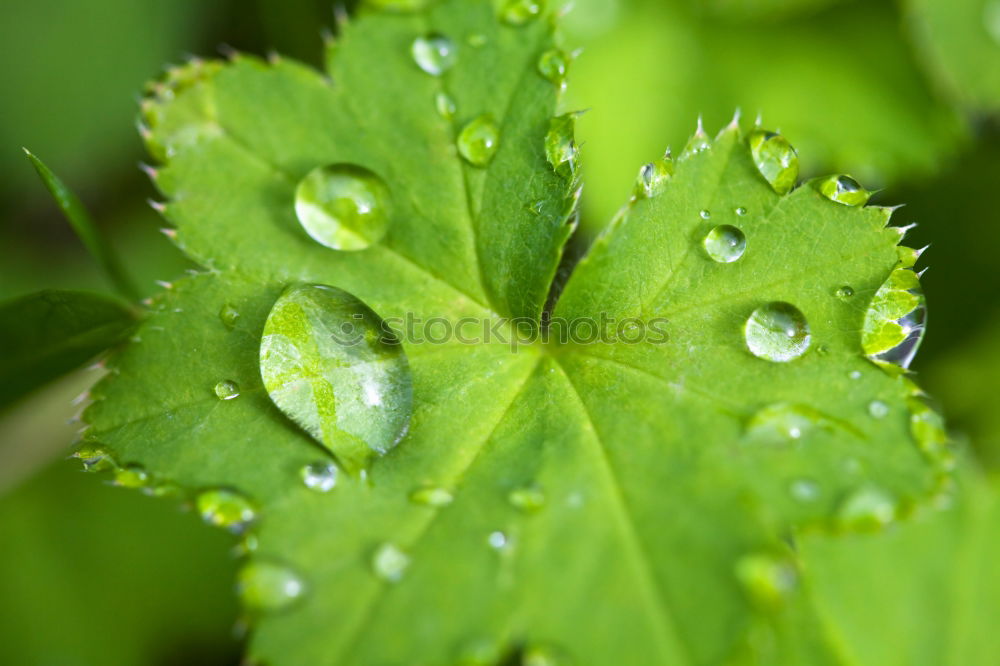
{"x":741,"y":211}
{"x":335,"y":368}
{"x":553,"y":65}
{"x":804,"y":490}
{"x":894,"y":323}
{"x":432,"y":496}
{"x":560,"y":147}
{"x":95,"y":458}
{"x":854,"y":374}
{"x":390,"y":563}
{"x":445,"y":105}
{"x":704,"y":214}
{"x":844,"y":190}
{"x":226,"y":508}
{"x":823,"y":350}
{"x":845,"y":292}
{"x":229,"y":316}
{"x":343,"y":206}
{"x":528,"y":499}
{"x":767,"y":579}
{"x":519,"y":12}
{"x":777,"y":331}
{"x":725,"y":243}
{"x":866,"y":509}
{"x":497,"y":540}
{"x":543,"y":655}
{"x":927,"y":429}
{"x":131,"y":476}
{"x":478,"y":141}
{"x":775,"y":159}
{"x":653,"y":178}
{"x":268,"y":587}
{"x":878,"y":409}
{"x":781,"y":422}
{"x":476,"y":40}
{"x":227,"y":389}
{"x":434,"y":53}
{"x":319,"y":476}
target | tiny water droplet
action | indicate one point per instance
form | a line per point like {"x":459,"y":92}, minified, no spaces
{"x":343,"y":206}
{"x":777,"y":331}
{"x":854,"y":374}
{"x":775,"y":159}
{"x":445,"y":105}
{"x":478,"y":141}
{"x":434,"y":53}
{"x":226,"y":508}
{"x":767,"y":579}
{"x":741,"y":211}
{"x":725,"y":243}
{"x":95,"y":458}
{"x":332,"y":365}
{"x":653,"y":178}
{"x":878,"y":409}
{"x":527,"y":499}
{"x":229,"y":316}
{"x":319,"y":476}
{"x":497,"y":540}
{"x":782,"y":422}
{"x":844,"y":190}
{"x":894,"y":323}
{"x":823,"y":350}
{"x":520,"y":12}
{"x":704,"y":214}
{"x":927,"y":429}
{"x":227,"y":389}
{"x":131,"y":476}
{"x":268,"y":587}
{"x":845,"y":292}
{"x":433,"y":496}
{"x":389,"y":562}
{"x":866,"y":509}
{"x":553,"y":65}
{"x":804,"y":490}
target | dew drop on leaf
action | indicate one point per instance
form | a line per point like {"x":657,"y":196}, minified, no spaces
{"x":335,"y":368}
{"x":445,"y":105}
{"x":844,"y":190}
{"x":777,"y":331}
{"x":705,"y":214}
{"x":767,"y":579}
{"x":845,"y":292}
{"x":433,"y":496}
{"x":653,"y":177}
{"x":131,"y":476}
{"x":519,"y":12}
{"x":804,"y":490}
{"x":866,"y":509}
{"x":434,"y":53}
{"x":319,"y":476}
{"x":478,"y":141}
{"x":741,"y":211}
{"x":227,"y":389}
{"x":268,"y":587}
{"x":527,"y":499}
{"x":389,"y":562}
{"x":782,"y":422}
{"x":95,"y":458}
{"x":226,"y":508}
{"x":497,"y":540}
{"x":560,"y":146}
{"x":878,"y":409}
{"x":894,"y":323}
{"x":343,"y":206}
{"x":725,"y":243}
{"x":229,"y":316}
{"x":775,"y":158}
{"x":553,"y":65}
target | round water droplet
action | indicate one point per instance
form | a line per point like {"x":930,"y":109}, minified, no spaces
{"x":553,"y":65}
{"x":704,"y":214}
{"x":804,"y":490}
{"x":434,"y":53}
{"x":268,"y":587}
{"x":866,"y":509}
{"x":229,"y":316}
{"x":741,"y":211}
{"x":226,"y":508}
{"x":432,"y":496}
{"x":653,"y":178}
{"x":725,"y":243}
{"x":782,"y":422}
{"x":528,"y":499}
{"x":445,"y":105}
{"x":519,"y":12}
{"x":894,"y":323}
{"x":319,"y":476}
{"x":95,"y":458}
{"x":227,"y":389}
{"x":131,"y":476}
{"x":390,"y":563}
{"x":777,"y":331}
{"x":767,"y":579}
{"x":497,"y":540}
{"x":343,"y":206}
{"x":775,"y":159}
{"x":854,"y":374}
{"x":844,"y":190}
{"x":878,"y":409}
{"x":845,"y":292}
{"x":478,"y":141}
{"x":337,"y":370}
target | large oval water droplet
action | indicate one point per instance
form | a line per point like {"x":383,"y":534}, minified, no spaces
{"x":389,"y":562}
{"x":227,"y":389}
{"x":434,"y":53}
{"x":560,"y":145}
{"x":343,"y":206}
{"x":478,"y":141}
{"x":335,"y":368}
{"x":844,"y":190}
{"x":894,"y":323}
{"x":775,"y":159}
{"x":226,"y":508}
{"x":725,"y":243}
{"x":519,"y":12}
{"x":268,"y":587}
{"x":553,"y":65}
{"x":777,"y":331}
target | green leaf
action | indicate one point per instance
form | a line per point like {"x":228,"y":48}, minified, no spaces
{"x":49,"y":333}
{"x":606,"y":502}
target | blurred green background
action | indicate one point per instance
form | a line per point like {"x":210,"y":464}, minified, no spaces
{"x":904,"y":95}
